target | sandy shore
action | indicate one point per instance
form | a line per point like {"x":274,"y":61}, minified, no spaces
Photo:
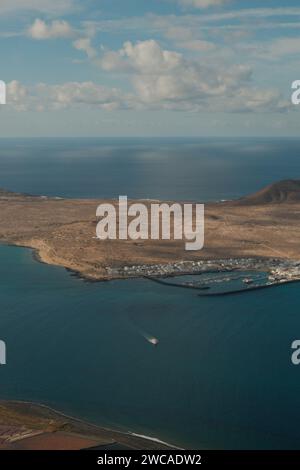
{"x":26,"y":425}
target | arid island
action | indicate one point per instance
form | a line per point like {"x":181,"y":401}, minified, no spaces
{"x":261,"y":226}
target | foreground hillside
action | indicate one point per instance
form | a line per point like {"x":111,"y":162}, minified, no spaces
{"x":30,"y":426}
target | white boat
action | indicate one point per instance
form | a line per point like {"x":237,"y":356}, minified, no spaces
{"x":248,"y":281}
{"x":153,"y":341}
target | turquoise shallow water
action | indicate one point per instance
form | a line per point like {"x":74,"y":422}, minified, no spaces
{"x":220,"y":377}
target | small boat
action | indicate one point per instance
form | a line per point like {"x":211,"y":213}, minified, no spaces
{"x":153,"y":341}
{"x":248,"y":281}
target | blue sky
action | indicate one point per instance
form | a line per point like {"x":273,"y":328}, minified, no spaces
{"x":149,"y":67}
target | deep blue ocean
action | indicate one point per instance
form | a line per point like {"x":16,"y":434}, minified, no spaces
{"x":176,"y":169}
{"x":221,"y":376}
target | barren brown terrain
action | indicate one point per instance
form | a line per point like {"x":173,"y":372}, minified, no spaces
{"x":62,"y":231}
{"x":25,"y":425}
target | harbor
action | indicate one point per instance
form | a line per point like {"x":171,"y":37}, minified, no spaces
{"x":278,"y":268}
{"x":231,"y":276}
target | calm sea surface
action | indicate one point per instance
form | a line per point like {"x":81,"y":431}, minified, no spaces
{"x":221,"y":375}
{"x":165,"y":169}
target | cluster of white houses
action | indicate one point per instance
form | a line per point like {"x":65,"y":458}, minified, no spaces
{"x":278,"y":270}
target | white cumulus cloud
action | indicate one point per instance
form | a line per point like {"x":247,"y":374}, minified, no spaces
{"x":17,"y":95}
{"x":84,"y":44}
{"x":159,"y":79}
{"x":166,"y":79}
{"x":56,"y":29}
{"x":42,"y":96}
{"x":81,"y":93}
{"x":144,"y":56}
